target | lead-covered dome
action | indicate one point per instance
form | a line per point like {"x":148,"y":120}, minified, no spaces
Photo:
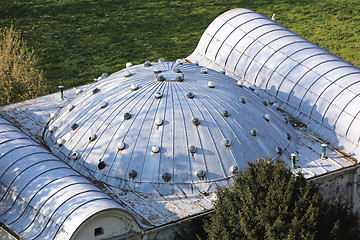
{"x":167,"y":127}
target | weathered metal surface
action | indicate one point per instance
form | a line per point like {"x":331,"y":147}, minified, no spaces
{"x":209,"y":133}
{"x":311,"y":84}
{"x":41,"y":197}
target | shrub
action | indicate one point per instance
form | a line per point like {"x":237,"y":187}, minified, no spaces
{"x":268,"y":202}
{"x":19,"y":78}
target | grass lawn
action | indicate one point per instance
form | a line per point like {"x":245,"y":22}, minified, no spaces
{"x":78,"y":40}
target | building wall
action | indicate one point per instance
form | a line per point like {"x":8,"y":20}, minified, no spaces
{"x":341,"y":186}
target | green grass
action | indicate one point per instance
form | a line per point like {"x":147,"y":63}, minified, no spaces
{"x":78,"y":40}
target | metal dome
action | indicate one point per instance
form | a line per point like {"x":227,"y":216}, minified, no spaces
{"x":167,"y":123}
{"x":311,"y":84}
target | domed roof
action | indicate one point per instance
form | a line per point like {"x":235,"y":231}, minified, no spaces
{"x":167,"y":125}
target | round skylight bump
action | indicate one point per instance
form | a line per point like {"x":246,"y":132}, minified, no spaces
{"x":179,"y":78}
{"x":192,"y":149}
{"x":155,"y":149}
{"x":279,"y":150}
{"x":158,"y":122}
{"x":52,"y":128}
{"x":179,"y":61}
{"x":253,"y":132}
{"x":74,"y":126}
{"x":210,"y":84}
{"x":177,"y":70}
{"x":226,"y":142}
{"x":267,"y":117}
{"x":240,"y":83}
{"x":101,"y":165}
{"x":60,"y":142}
{"x":190,"y":95}
{"x":161,"y":60}
{"x":147,"y":64}
{"x":129,"y":65}
{"x":127,"y":73}
{"x":127,"y":116}
{"x":103,"y":104}
{"x":70,"y":107}
{"x":288,"y":136}
{"x":160,"y":78}
{"x":252,"y":87}
{"x":225,"y":113}
{"x":95,"y":91}
{"x":75,"y":156}
{"x":265,"y":102}
{"x":200,"y":173}
{"x":166,"y":176}
{"x":196,"y":62}
{"x":92,"y":137}
{"x":104,"y":75}
{"x":121,"y":146}
{"x":222,"y":71}
{"x":77,"y":91}
{"x":242,"y":100}
{"x":234,"y":169}
{"x":158,"y":95}
{"x":132,"y":174}
{"x":203,"y":70}
{"x":134,"y":87}
{"x":195,"y":121}
{"x":157,"y":70}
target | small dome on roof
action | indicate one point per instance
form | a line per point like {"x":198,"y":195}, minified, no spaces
{"x":219,"y":122}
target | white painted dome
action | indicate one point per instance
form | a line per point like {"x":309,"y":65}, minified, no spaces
{"x":166,"y":127}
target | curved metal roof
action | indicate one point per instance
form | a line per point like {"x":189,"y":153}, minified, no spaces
{"x":313,"y":85}
{"x":41,"y":197}
{"x":162,"y":127}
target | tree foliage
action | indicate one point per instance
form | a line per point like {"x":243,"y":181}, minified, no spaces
{"x":19,"y":77}
{"x":268,"y":202}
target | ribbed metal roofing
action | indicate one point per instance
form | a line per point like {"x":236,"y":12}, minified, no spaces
{"x":313,"y":85}
{"x":41,"y":197}
{"x":167,"y":126}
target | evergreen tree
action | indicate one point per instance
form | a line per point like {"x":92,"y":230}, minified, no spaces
{"x":268,"y":202}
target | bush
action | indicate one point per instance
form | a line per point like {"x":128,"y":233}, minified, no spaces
{"x":268,"y":202}
{"x":19,"y":78}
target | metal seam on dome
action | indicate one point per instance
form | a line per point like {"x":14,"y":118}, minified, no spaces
{"x":247,"y":34}
{"x":314,"y":82}
{"x":279,"y":50}
{"x":236,"y":28}
{"x":63,"y":203}
{"x":297,"y":83}
{"x":185,"y":129}
{"x":86,"y":100}
{"x":149,"y":137}
{"x":50,"y":197}
{"x":257,"y":38}
{"x":231,"y":107}
{"x":347,"y":104}
{"x":150,"y":92}
{"x":319,"y":78}
{"x":27,"y":184}
{"x":37,"y":192}
{"x":214,"y":142}
{"x":331,"y":83}
{"x":218,"y":29}
{"x":131,"y":98}
{"x":265,"y":46}
{"x":310,"y":70}
{"x":22,"y":171}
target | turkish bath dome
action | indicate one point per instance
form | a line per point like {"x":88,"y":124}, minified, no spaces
{"x":168,"y":127}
